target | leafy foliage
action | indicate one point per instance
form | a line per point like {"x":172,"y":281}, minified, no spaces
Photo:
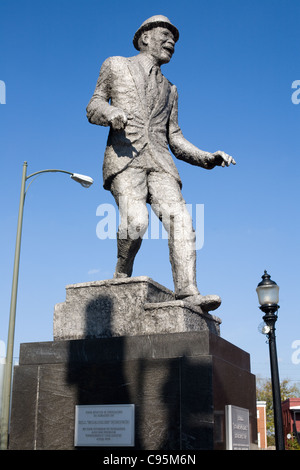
{"x":264,"y":393}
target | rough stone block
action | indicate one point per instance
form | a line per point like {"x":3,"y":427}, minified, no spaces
{"x":126,"y":307}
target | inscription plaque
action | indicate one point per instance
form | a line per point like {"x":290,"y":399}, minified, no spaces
{"x":237,"y":428}
{"x":104,"y":425}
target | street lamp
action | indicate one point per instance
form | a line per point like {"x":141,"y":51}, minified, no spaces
{"x":85,"y":181}
{"x":268,"y":297}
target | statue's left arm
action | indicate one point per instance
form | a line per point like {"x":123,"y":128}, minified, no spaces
{"x":185,"y":150}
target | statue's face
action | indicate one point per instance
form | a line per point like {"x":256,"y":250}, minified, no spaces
{"x":161,"y":44}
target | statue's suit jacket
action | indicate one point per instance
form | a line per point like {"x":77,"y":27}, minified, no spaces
{"x":121,"y":84}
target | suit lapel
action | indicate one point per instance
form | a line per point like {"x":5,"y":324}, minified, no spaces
{"x":161,"y":102}
{"x":139,"y":81}
{"x":137,"y":76}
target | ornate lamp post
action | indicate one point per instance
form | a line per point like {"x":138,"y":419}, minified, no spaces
{"x":85,"y":181}
{"x":268,"y":297}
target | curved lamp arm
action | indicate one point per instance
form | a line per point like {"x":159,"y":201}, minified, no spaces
{"x":85,"y":181}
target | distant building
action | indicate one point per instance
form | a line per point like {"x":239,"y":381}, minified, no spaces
{"x":261,"y":424}
{"x":291,"y":418}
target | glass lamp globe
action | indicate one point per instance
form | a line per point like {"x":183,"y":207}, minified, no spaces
{"x":267,"y":291}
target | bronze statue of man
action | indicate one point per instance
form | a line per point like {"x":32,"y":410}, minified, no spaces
{"x":141,"y":107}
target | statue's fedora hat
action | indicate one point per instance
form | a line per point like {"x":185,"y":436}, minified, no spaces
{"x":153,"y":22}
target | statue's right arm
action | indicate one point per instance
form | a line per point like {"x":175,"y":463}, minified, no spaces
{"x":99,"y":111}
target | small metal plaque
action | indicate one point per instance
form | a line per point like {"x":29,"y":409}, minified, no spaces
{"x":237,"y":428}
{"x":104,"y":425}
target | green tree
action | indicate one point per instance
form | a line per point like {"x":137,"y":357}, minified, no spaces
{"x":264,"y":393}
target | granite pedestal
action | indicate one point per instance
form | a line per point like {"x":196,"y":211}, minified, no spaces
{"x":126,"y":307}
{"x":179,"y":381}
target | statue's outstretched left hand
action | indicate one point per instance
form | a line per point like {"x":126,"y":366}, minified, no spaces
{"x":223,"y":159}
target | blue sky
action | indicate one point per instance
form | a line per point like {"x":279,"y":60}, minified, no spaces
{"x":234,"y":66}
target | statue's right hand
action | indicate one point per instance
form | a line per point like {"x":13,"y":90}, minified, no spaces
{"x":118,"y":119}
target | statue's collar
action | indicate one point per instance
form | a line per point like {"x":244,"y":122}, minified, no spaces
{"x":146,"y":61}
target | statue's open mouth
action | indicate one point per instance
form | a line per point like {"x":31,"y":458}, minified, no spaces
{"x":170,"y":50}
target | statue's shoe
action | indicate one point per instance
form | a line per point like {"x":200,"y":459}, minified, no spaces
{"x":206,"y":302}
{"x":118,"y":275}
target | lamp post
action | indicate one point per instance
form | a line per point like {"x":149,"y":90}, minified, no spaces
{"x":85,"y":181}
{"x":268,"y":297}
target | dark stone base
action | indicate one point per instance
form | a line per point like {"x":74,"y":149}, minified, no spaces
{"x":179,"y":383}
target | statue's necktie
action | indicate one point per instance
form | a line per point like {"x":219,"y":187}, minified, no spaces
{"x":153,"y":86}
